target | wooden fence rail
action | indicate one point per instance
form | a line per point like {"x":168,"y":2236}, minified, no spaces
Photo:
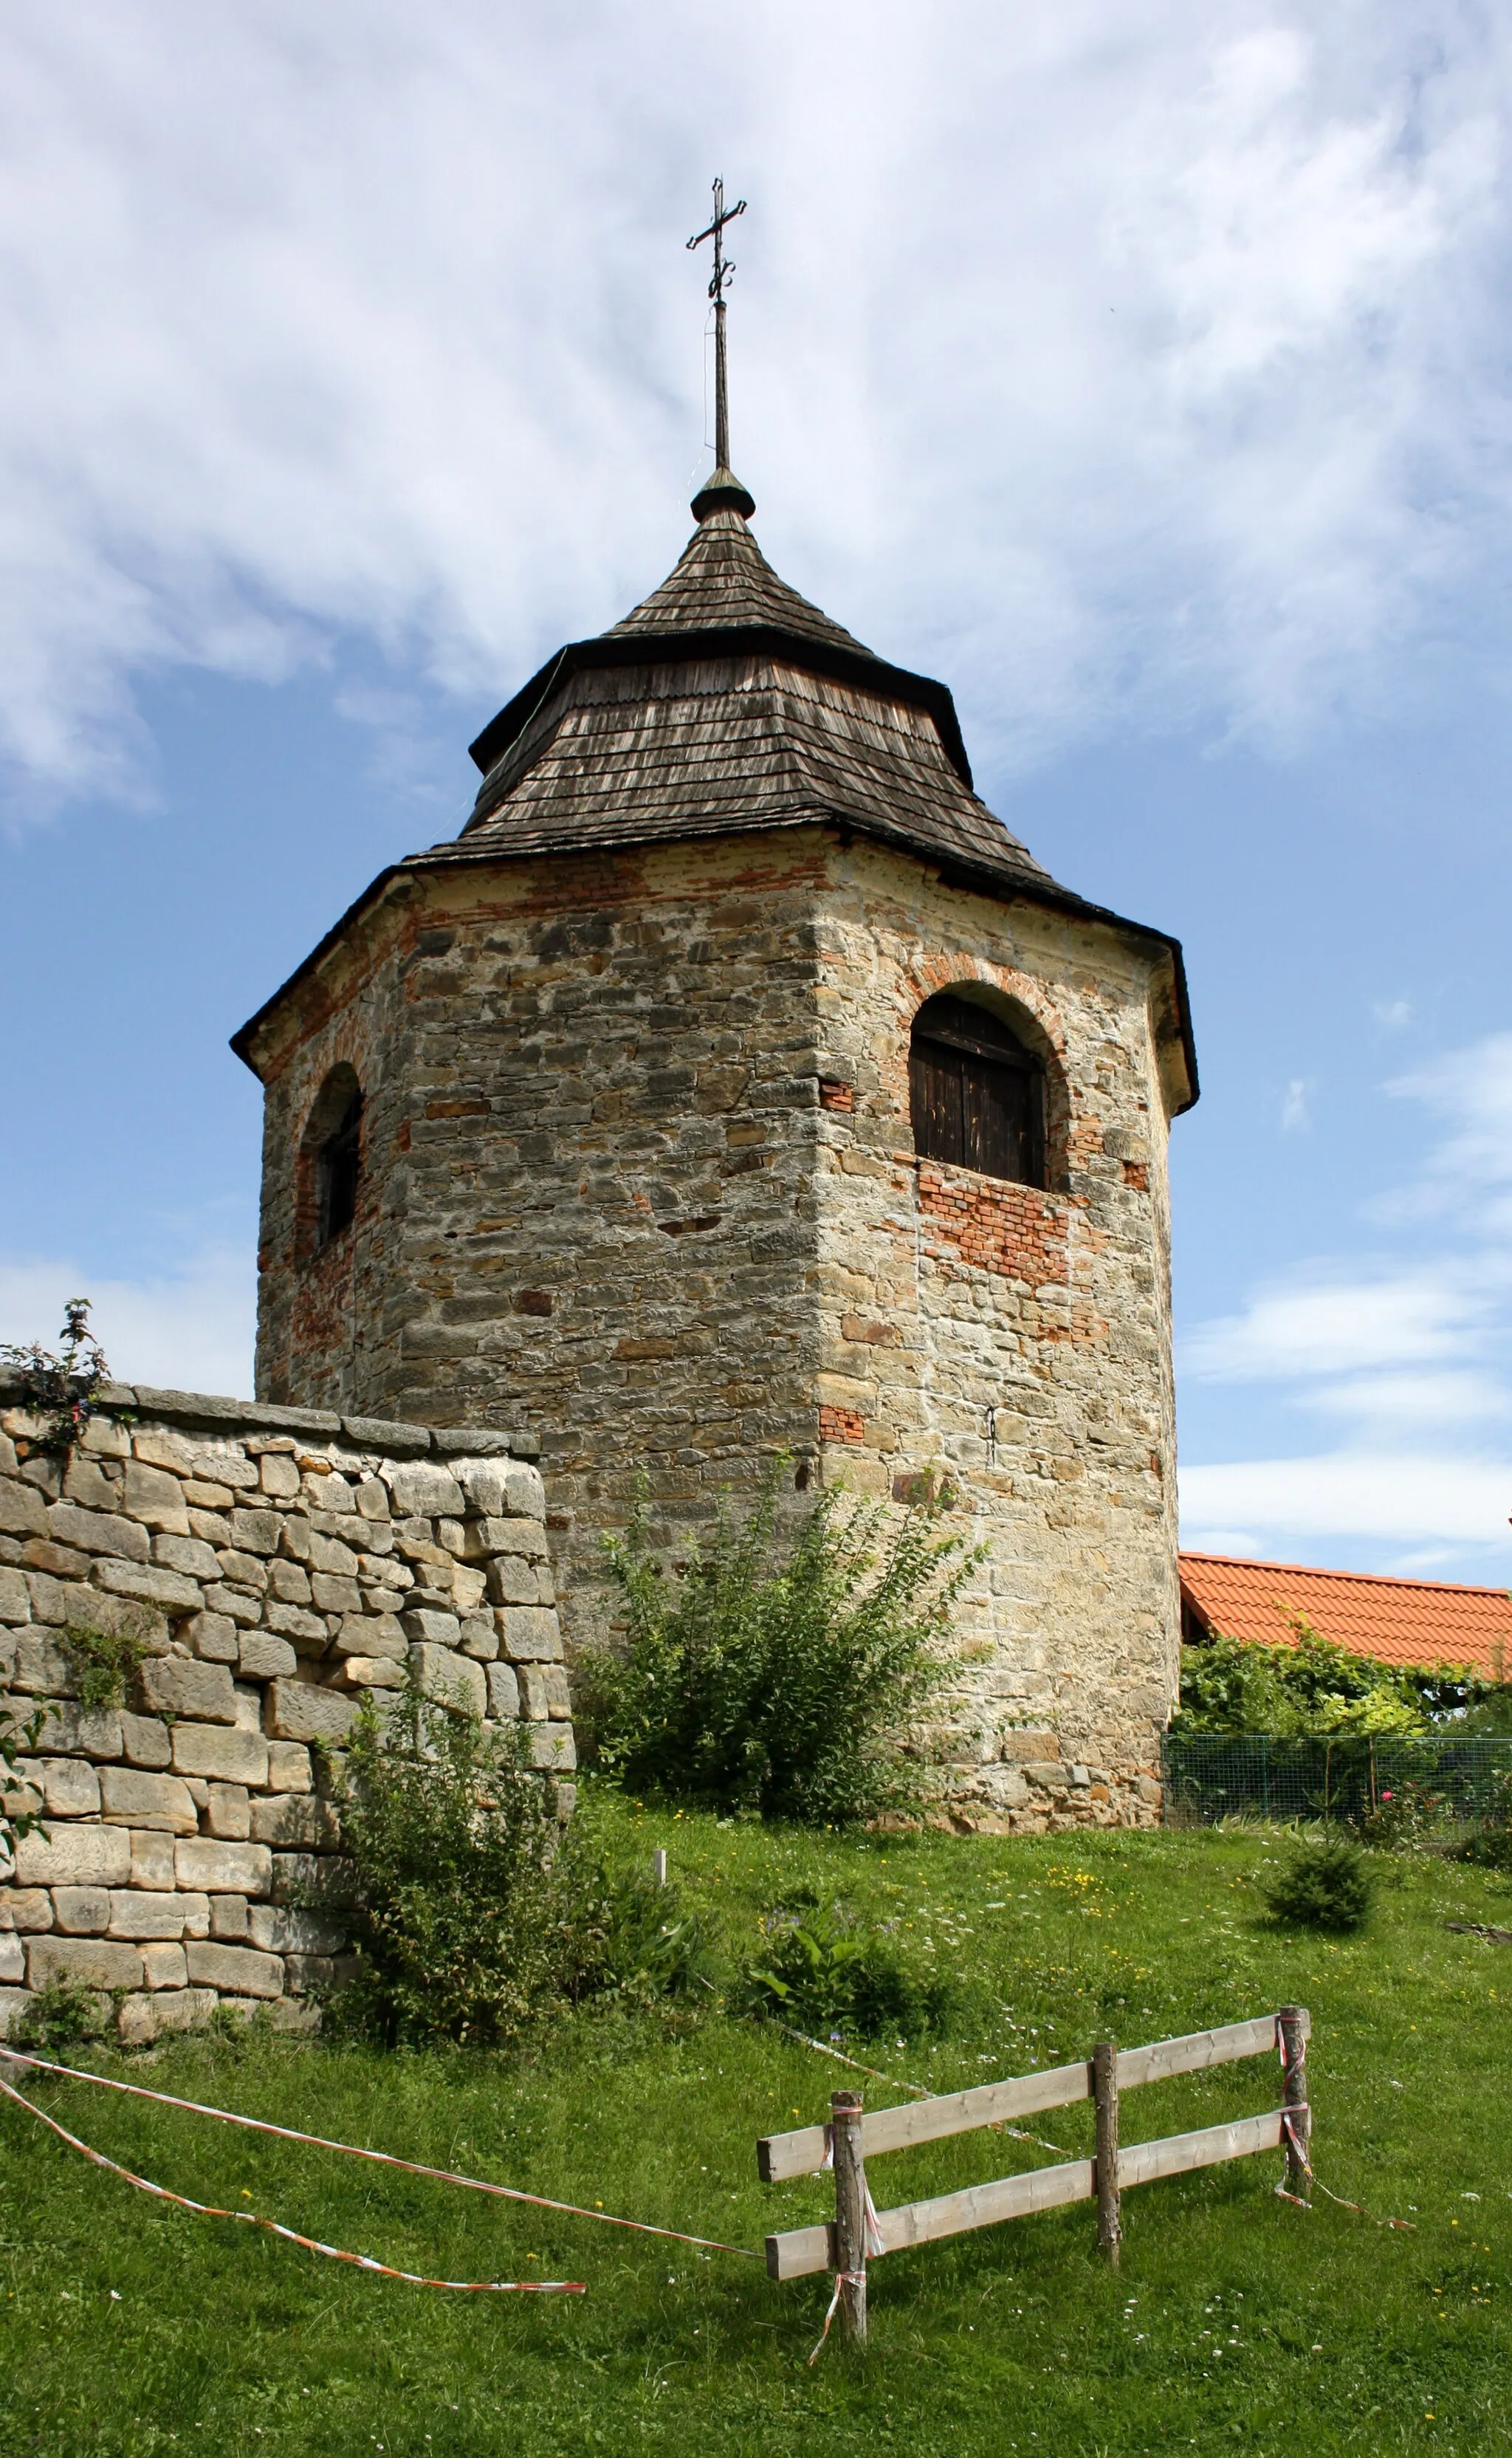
{"x":797,"y":2252}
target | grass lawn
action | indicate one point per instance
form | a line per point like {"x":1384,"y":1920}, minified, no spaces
{"x":1236,"y":2323}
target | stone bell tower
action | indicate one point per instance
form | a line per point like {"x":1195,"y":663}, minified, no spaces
{"x":734,"y":1081}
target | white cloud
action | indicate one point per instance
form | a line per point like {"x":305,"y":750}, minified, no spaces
{"x":1393,"y":1497}
{"x":1123,"y":362}
{"x":1297,"y":1105}
{"x":1332,"y":1326}
{"x":189,"y":1328}
{"x":1469,"y":1168}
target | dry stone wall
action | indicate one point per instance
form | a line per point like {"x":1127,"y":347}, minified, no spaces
{"x":264,"y":1566}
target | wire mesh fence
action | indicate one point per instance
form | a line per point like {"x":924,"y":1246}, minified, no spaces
{"x":1208,"y":1776}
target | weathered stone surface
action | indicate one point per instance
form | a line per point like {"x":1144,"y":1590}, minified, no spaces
{"x":305,"y":1878}
{"x":504,"y":1690}
{"x":15,"y":1603}
{"x":370,"y":1634}
{"x":181,"y":1685}
{"x":289,"y":1767}
{"x":88,"y":1962}
{"x":71,"y":1788}
{"x":26,"y":1908}
{"x":229,"y":1921}
{"x":305,"y":1630}
{"x":136,"y":1914}
{"x":235,"y":1605}
{"x":74,"y":1856}
{"x":129,"y":1798}
{"x":513,"y":1580}
{"x":288,"y":1583}
{"x":13,"y":1966}
{"x":432,"y":1628}
{"x":143,"y":2019}
{"x":552,"y":1746}
{"x":205,"y":1867}
{"x":333,"y":1595}
{"x":92,"y":1532}
{"x":297,"y":1711}
{"x":157,"y":1498}
{"x":297,"y":1822}
{"x":262,"y":1657}
{"x":532,"y":1634}
{"x":151,"y":1863}
{"x":228,"y":1812}
{"x":163,"y":1964}
{"x":213,"y":1636}
{"x":221,"y":1751}
{"x":371,"y":1672}
{"x":145,"y":1742}
{"x":169,"y":1590}
{"x":256,"y":1531}
{"x":235,"y":1969}
{"x":456,"y":1680}
{"x":190,"y":1554}
{"x":280,"y":1929}
{"x":81,"y":1911}
{"x":423,"y":1489}
{"x":23,"y":1511}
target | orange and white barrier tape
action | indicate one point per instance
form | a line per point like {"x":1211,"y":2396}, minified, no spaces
{"x":354,"y":2150}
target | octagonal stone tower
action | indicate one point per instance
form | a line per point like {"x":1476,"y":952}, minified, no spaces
{"x":734,"y":1081}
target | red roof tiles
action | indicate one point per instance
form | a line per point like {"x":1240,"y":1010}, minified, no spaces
{"x":1399,"y":1621}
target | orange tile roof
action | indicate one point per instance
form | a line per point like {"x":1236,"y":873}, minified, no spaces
{"x":1399,"y":1621}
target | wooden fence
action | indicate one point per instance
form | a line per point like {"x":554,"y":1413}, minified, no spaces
{"x":853,"y":2136}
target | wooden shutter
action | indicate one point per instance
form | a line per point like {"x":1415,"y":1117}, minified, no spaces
{"x":977,"y":1095}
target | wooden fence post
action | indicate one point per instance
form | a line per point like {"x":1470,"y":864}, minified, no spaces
{"x":1298,"y":2126}
{"x":1105,"y":2094}
{"x":850,"y":2211}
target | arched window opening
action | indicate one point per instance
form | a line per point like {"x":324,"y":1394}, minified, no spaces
{"x":976,"y":1094}
{"x":333,"y":1140}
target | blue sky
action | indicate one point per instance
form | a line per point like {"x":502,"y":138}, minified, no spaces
{"x":1147,"y":383}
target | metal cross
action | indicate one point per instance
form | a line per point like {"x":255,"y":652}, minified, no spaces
{"x":715,"y":232}
{"x":721,"y":274}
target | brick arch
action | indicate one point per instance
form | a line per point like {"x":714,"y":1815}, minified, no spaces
{"x":1021,"y":1003}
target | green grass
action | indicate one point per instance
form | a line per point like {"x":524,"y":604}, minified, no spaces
{"x":1238,"y":2323}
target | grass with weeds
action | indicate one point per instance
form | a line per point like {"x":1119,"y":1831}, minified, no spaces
{"x":1236,"y":2323}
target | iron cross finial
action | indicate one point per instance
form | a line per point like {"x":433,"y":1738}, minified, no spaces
{"x":715,"y":231}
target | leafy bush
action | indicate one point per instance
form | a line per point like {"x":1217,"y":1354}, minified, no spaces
{"x":777,"y":1688}
{"x":19,"y":1814}
{"x":1407,"y":1817}
{"x":818,"y":1972}
{"x":64,"y":2016}
{"x":1324,"y":1886}
{"x":108,"y":1661}
{"x":465,"y":1923}
{"x":62,"y":1387}
{"x":1230,"y":1685}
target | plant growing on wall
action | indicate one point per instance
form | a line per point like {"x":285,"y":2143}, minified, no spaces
{"x":62,"y":1388}
{"x":17,"y":1791}
{"x":779,"y":1687}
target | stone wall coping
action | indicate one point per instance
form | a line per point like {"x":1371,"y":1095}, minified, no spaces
{"x":209,"y":1411}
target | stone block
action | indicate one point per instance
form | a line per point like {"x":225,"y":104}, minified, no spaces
{"x":221,"y":1752}
{"x":143,"y":2019}
{"x":278,"y":1475}
{"x":262,"y":1657}
{"x":248,"y":1697}
{"x":552,"y":1746}
{"x":525,"y":1536}
{"x":371,"y":1672}
{"x":235,"y":1969}
{"x":97,"y":1531}
{"x":369,"y":1634}
{"x":164,"y":1965}
{"x":213,"y":1636}
{"x":12,"y":1963}
{"x":305,"y":1878}
{"x":25,"y":1908}
{"x":205,"y":1867}
{"x":333,"y":1595}
{"x":504,"y":1690}
{"x":303,"y":1973}
{"x":288,"y":1583}
{"x":256,"y":1531}
{"x":74,"y":1856}
{"x":168,"y":1589}
{"x":513,"y":1580}
{"x":455,"y":1680}
{"x":430,"y":1629}
{"x":532,"y":1634}
{"x":281,"y":1928}
{"x":479,"y":1638}
{"x":14,"y":2005}
{"x":228,"y":1813}
{"x":532,"y":1693}
{"x":190,"y":1554}
{"x":297,"y":1711}
{"x":85,"y":1962}
{"x":136,"y":1913}
{"x":329,"y":1553}
{"x":23,"y":1510}
{"x":15,"y":1602}
{"x":235,"y":1604}
{"x":129,"y":1798}
{"x":145,"y":1741}
{"x":181,"y":1685}
{"x":297,"y":1822}
{"x":81,"y":1911}
{"x":155,"y":1497}
{"x":45,"y":1667}
{"x":151,"y":1863}
{"x":289,"y":1768}
{"x":70,"y":1788}
{"x":423,"y":1491}
{"x":246,"y":1570}
{"x":558,"y":1694}
{"x":305,"y":1630}
{"x":83,"y":1732}
{"x":229,"y":1921}
{"x":371,"y":1499}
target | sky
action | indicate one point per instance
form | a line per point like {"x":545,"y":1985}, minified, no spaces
{"x":1140,"y":371}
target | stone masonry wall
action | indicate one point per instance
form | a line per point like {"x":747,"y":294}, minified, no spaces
{"x":271,"y":1565}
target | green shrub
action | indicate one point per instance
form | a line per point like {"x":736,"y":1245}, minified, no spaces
{"x":64,"y":2016}
{"x":1230,"y":1685}
{"x":1324,"y":1886}
{"x":19,"y":1812}
{"x":818,"y":1972}
{"x":108,"y":1663}
{"x":1407,"y":1817}
{"x":466,"y":1925}
{"x":777,"y":1688}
